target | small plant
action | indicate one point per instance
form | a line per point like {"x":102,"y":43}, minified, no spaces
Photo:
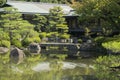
{"x":16,"y":43}
{"x":79,"y":40}
{"x":42,"y":35}
{"x":52,"y":34}
{"x":5,"y":43}
{"x":64,"y":36}
{"x":27,"y":41}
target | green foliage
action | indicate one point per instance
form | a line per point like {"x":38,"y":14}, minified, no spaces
{"x":16,"y":28}
{"x":37,"y":39}
{"x":109,"y":43}
{"x":33,"y":37}
{"x":4,"y":39}
{"x":64,"y":36}
{"x":79,"y":40}
{"x":4,"y":59}
{"x":57,"y":21}
{"x":87,"y":30}
{"x":52,"y":34}
{"x":99,"y":40}
{"x":99,"y":14}
{"x":43,"y":35}
{"x":62,"y":28}
{"x":114,"y":46}
{"x":5,"y":43}
{"x":40,"y":22}
{"x":16,"y":43}
{"x":27,"y":41}
{"x":104,"y":67}
{"x":4,"y":35}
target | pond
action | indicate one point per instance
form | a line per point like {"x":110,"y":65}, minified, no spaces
{"x":66,"y":70}
{"x":79,"y":66}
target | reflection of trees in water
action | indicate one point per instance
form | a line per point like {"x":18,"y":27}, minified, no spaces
{"x":72,"y":53}
{"x":23,"y":71}
{"x":8,"y":72}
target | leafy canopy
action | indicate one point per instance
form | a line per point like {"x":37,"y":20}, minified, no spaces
{"x":17,"y":28}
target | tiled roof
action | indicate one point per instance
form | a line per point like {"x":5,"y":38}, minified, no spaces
{"x":27,"y":8}
{"x":38,"y":7}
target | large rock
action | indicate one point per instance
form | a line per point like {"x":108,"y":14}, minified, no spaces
{"x":87,"y":46}
{"x":3,"y":50}
{"x":17,"y":55}
{"x":34,"y":48}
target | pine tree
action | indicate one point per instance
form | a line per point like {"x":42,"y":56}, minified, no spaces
{"x":56,"y":20}
{"x":17,"y":28}
{"x":40,"y":22}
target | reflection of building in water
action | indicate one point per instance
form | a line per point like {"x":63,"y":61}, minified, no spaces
{"x":72,"y":53}
{"x":54,"y":51}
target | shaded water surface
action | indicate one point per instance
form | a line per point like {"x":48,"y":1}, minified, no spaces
{"x":51,"y":68}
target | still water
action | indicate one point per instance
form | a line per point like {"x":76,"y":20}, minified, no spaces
{"x":49,"y":67}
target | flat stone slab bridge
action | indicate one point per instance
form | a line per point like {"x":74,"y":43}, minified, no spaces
{"x":69,"y":46}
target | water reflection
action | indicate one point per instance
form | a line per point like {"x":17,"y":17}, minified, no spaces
{"x":72,"y":53}
{"x":67,"y":71}
{"x":37,"y":68}
{"x":45,"y":66}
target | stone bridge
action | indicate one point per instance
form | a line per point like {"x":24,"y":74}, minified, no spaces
{"x":69,"y":46}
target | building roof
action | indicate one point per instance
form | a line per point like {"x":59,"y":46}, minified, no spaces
{"x":27,"y":7}
{"x":38,"y":7}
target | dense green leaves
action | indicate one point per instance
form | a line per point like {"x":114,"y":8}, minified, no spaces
{"x":57,"y":21}
{"x":4,"y":39}
{"x":40,"y":22}
{"x":106,"y":67}
{"x":101,"y":14}
{"x":17,"y":28}
{"x":114,"y":46}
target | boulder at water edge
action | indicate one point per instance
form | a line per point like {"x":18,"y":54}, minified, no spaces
{"x":3,"y":50}
{"x":17,"y":55}
{"x":34,"y":48}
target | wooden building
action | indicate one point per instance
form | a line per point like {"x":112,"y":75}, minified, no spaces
{"x":29,"y":8}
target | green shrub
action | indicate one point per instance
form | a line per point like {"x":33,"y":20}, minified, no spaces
{"x":64,"y":36}
{"x":42,"y":34}
{"x":52,"y":34}
{"x":27,"y":41}
{"x":112,"y":45}
{"x":104,"y":67}
{"x":5,"y":43}
{"x":4,"y":35}
{"x":36,"y":39}
{"x":79,"y":40}
{"x":99,"y":39}
{"x":16,"y":43}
